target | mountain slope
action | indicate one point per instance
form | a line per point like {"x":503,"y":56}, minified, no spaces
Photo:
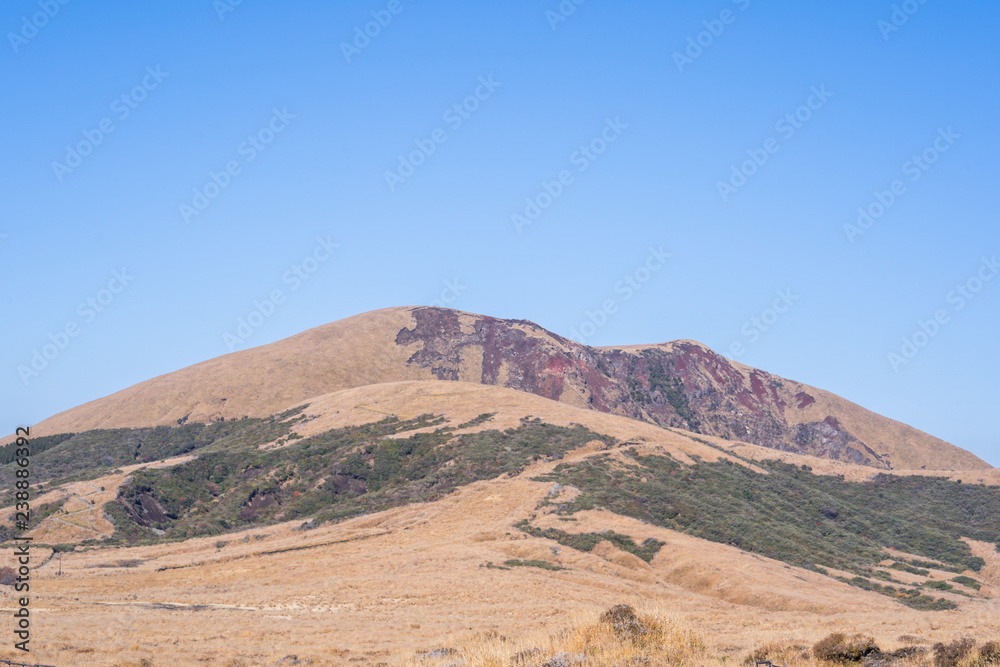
{"x":681,"y":384}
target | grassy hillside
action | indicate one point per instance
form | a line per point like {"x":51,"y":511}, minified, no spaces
{"x":338,"y":474}
{"x":792,"y":515}
{"x":785,"y":512}
{"x":82,"y":456}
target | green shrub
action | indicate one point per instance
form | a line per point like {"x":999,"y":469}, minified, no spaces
{"x":492,"y":566}
{"x":938,"y":585}
{"x":587,"y":541}
{"x":968,"y":582}
{"x":905,"y":567}
{"x":543,"y":564}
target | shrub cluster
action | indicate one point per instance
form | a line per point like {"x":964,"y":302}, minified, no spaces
{"x":587,"y":541}
{"x":800,"y":518}
{"x":330,"y":476}
{"x":81,"y":456}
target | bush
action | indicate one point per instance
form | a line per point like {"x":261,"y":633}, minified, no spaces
{"x":989,"y":653}
{"x":938,"y":585}
{"x":904,"y":567}
{"x":841,"y":648}
{"x":543,"y":564}
{"x":8,"y":576}
{"x":587,"y":541}
{"x":624,"y":622}
{"x":968,"y":581}
{"x":949,"y":655}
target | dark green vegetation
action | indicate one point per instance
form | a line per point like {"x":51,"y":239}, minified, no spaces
{"x":969,"y":582}
{"x":543,"y":564}
{"x":338,"y":474}
{"x":82,"y":456}
{"x":906,"y":567}
{"x":587,"y":541}
{"x":911,"y":597}
{"x":938,"y":585}
{"x":927,"y":565}
{"x":490,"y":565}
{"x":38,"y":445}
{"x":789,"y":514}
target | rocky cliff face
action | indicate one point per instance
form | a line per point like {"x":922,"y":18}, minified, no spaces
{"x":681,"y":384}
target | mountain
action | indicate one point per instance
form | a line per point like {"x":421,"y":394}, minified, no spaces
{"x":680,"y":384}
{"x":411,"y":458}
{"x":431,"y":471}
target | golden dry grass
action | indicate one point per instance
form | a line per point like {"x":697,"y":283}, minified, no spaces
{"x":381,"y":587}
{"x":257,"y":382}
{"x":660,"y":637}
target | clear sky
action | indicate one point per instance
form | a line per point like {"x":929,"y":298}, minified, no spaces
{"x":165,"y":165}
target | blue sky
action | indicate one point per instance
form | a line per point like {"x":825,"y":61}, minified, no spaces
{"x":204,"y":150}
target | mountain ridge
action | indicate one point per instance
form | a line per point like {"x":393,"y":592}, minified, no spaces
{"x":680,"y":384}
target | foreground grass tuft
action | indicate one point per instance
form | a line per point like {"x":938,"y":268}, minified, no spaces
{"x":649,"y":636}
{"x":621,"y":636}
